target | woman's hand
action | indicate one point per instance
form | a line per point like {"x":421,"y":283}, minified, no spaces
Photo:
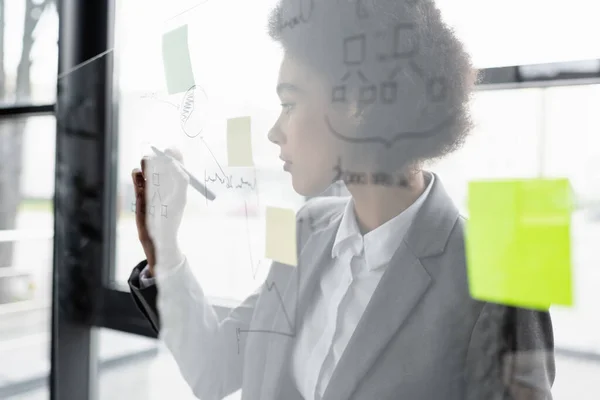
{"x":161,"y":194}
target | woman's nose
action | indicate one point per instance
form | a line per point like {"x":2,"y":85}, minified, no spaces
{"x":275,"y":135}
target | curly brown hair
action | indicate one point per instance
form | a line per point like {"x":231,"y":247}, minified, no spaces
{"x":427,"y":66}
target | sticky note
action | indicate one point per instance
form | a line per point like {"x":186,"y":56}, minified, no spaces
{"x":239,"y":143}
{"x":518,"y":242}
{"x":281,"y":235}
{"x":176,"y":60}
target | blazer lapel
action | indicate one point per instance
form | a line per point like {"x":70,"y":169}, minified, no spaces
{"x":315,"y":253}
{"x":399,"y":290}
{"x":401,"y":287}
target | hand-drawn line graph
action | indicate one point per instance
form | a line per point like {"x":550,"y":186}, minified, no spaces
{"x":227,"y":181}
{"x":288,"y":320}
{"x":291,"y":323}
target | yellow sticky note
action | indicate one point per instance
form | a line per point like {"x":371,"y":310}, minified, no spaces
{"x":281,"y":236}
{"x":518,"y":242}
{"x":239,"y":143}
{"x":176,"y":60}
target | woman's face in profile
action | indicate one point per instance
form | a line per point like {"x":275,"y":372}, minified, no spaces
{"x":307,"y":147}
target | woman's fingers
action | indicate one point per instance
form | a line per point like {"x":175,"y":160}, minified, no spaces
{"x":144,"y":165}
{"x":140,"y":203}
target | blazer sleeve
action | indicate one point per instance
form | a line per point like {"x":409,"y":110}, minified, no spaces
{"x":511,"y":355}
{"x":529,"y":365}
{"x":208,"y":352}
{"x":144,"y":298}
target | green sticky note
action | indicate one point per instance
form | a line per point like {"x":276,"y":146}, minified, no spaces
{"x":518,"y":242}
{"x":176,"y":60}
{"x":281,"y":236}
{"x":239,"y":142}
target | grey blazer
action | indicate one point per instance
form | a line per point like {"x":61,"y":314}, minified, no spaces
{"x":421,"y":337}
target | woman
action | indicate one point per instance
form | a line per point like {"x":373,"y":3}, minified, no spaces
{"x":378,"y":306}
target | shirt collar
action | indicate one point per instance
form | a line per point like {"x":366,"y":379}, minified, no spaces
{"x":380,"y":244}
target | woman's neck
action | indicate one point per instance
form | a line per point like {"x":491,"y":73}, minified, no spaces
{"x":374,"y":205}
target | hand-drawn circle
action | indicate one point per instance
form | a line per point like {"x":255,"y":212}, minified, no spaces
{"x":193,"y":111}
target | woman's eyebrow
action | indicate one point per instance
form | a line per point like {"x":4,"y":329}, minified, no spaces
{"x":287,"y":87}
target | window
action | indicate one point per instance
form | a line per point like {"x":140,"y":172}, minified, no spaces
{"x":26,"y":251}
{"x":223,"y":240}
{"x":519,"y":133}
{"x":546,"y":133}
{"x":28,"y":61}
{"x":28,"y":52}
{"x":515,"y":32}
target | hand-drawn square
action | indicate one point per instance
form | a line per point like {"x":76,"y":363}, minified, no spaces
{"x":163,"y":211}
{"x":355,"y":49}
{"x":389,"y":92}
{"x":155,"y":179}
{"x":405,"y":41}
{"x":338,"y":94}
{"x":152,"y":210}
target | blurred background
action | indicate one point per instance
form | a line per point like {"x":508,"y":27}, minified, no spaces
{"x":546,"y":127}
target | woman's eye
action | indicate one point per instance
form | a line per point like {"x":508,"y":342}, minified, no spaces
{"x":287,"y":107}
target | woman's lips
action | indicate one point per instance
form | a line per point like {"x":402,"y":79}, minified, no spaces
{"x":287,"y":165}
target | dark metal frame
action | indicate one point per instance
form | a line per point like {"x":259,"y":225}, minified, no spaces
{"x":84,"y":207}
{"x":80,"y":255}
{"x":27,"y":110}
{"x":582,"y":72}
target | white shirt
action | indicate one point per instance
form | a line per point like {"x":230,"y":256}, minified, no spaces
{"x":345,"y":288}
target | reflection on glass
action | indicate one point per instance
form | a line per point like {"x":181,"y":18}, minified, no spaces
{"x":28,"y":52}
{"x":372,"y":96}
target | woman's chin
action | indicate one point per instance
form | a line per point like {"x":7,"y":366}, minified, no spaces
{"x":308,"y":188}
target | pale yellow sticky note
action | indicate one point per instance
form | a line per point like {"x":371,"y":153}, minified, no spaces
{"x":281,"y":236}
{"x":239,"y":143}
{"x":176,"y":60}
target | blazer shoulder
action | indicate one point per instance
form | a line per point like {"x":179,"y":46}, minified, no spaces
{"x":319,"y":211}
